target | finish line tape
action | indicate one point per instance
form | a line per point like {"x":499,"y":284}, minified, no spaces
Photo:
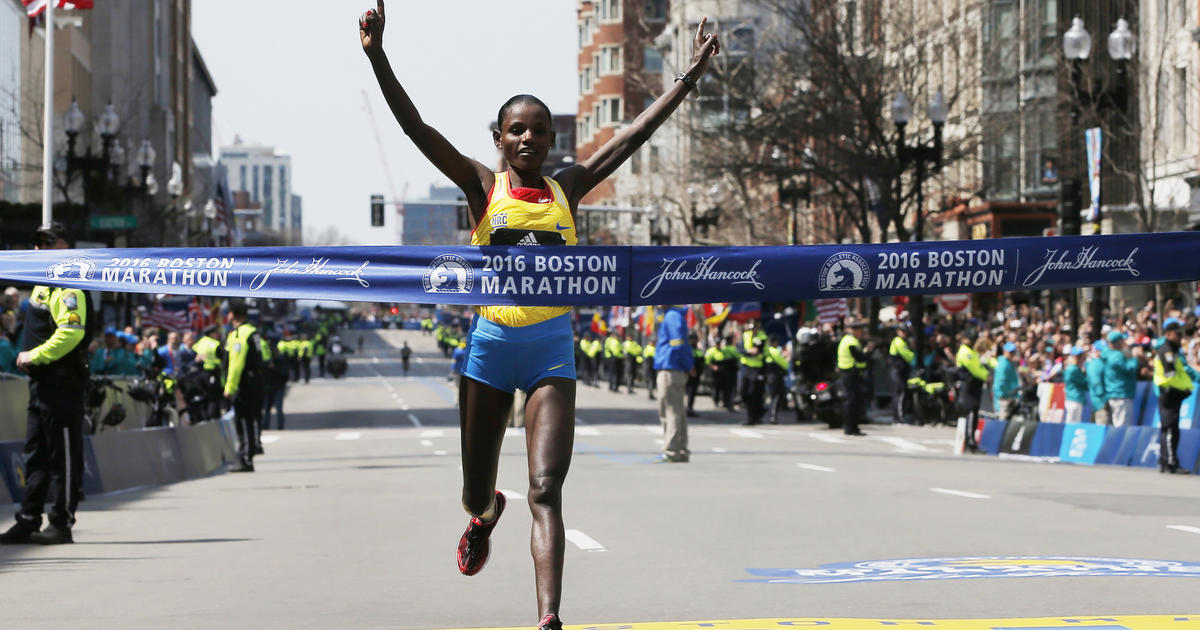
{"x":630,"y":276}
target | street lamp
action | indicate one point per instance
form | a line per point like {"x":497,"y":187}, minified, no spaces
{"x":87,"y":164}
{"x":918,"y":155}
{"x":145,"y":161}
{"x":1077,"y":46}
{"x":793,"y":193}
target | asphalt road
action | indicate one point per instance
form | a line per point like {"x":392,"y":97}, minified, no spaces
{"x":352,"y":519}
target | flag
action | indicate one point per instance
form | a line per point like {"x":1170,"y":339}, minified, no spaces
{"x":692,"y":322}
{"x":744,"y":311}
{"x":168,"y":319}
{"x":715,"y":313}
{"x":830,"y":310}
{"x":199,"y":315}
{"x":35,"y":8}
{"x":598,"y":325}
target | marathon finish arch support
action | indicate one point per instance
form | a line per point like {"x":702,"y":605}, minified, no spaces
{"x":631,"y":276}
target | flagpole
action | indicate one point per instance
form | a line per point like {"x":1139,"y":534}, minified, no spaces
{"x":48,"y":121}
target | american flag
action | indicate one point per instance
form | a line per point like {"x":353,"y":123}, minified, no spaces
{"x":35,"y":7}
{"x":199,"y":315}
{"x":830,"y":310}
{"x":167,"y":319}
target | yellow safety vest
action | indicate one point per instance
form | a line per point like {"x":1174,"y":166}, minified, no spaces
{"x":1178,"y":378}
{"x":845,"y":358}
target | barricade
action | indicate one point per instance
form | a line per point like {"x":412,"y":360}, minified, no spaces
{"x":1129,"y":445}
{"x":1112,"y":444}
{"x":1018,"y":437}
{"x":1081,"y":443}
{"x":1047,"y":440}
{"x":993,"y":432}
{"x":1189,"y":449}
{"x":120,"y":460}
{"x":14,"y":400}
{"x":1145,"y":455}
{"x":1149,"y":415}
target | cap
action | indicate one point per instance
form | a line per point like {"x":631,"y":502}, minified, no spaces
{"x":110,"y":331}
{"x":1172,"y":323}
{"x":1100,"y":346}
{"x":856,"y":323}
{"x":1010,"y":347}
{"x":1117,"y":335}
{"x":53,"y":231}
{"x":1076,"y":351}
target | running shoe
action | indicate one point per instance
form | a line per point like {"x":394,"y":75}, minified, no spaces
{"x":550,"y":622}
{"x":474,"y":546}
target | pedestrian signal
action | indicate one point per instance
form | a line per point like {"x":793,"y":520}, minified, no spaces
{"x":377,"y":210}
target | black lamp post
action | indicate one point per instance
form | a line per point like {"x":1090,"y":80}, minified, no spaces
{"x":1077,"y":46}
{"x":918,"y":155}
{"x":790,"y":192}
{"x":92,"y":168}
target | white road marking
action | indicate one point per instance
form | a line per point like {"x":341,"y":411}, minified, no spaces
{"x":583,"y":541}
{"x":747,"y":433}
{"x":653,"y":430}
{"x":828,"y":439}
{"x":432,"y":433}
{"x":586,"y":431}
{"x":439,"y":452}
{"x":270,"y":439}
{"x":816,"y":468}
{"x":349,"y":435}
{"x":404,"y":407}
{"x":374,"y":359}
{"x":420,"y":360}
{"x":514,"y":432}
{"x":902,"y":444}
{"x":511,"y":494}
{"x":960,"y":493}
{"x":1185,"y":528}
{"x":415,"y":420}
{"x":718,"y":449}
{"x":426,"y":442}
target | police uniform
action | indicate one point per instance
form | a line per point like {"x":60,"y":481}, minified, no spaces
{"x":208,"y":347}
{"x":901,"y":359}
{"x":1174,"y":386}
{"x":55,"y":331}
{"x":754,"y":381}
{"x":633,"y":360}
{"x":970,"y":393}
{"x":651,"y":374}
{"x":699,"y":358}
{"x":776,"y":370}
{"x":245,"y":384}
{"x":304,"y":354}
{"x":275,"y":379}
{"x":852,"y":369}
{"x":614,"y":362}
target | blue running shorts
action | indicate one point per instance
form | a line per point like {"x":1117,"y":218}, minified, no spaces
{"x":508,"y":357}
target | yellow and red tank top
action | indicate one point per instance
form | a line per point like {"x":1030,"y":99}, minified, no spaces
{"x":524,"y":216}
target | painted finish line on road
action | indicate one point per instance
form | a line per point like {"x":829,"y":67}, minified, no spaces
{"x":1122,"y":622}
{"x":590,"y":276}
{"x":975,"y":568}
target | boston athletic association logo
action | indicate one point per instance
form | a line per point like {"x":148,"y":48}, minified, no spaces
{"x":844,"y":271}
{"x":73,"y":268}
{"x":448,"y":273}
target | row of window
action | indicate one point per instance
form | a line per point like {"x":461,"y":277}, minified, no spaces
{"x":609,"y":11}
{"x":606,"y":112}
{"x":267,"y":189}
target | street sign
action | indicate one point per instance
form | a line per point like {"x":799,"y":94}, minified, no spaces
{"x":954,"y":303}
{"x":114,"y":222}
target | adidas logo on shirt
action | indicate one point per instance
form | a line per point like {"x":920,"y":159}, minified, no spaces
{"x":528,"y":239}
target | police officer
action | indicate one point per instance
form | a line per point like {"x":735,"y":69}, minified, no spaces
{"x":633,"y":360}
{"x":304,"y":355}
{"x":901,"y":360}
{"x":55,"y":358}
{"x":973,"y":376}
{"x":275,"y":378}
{"x":319,"y":348}
{"x":699,"y":358}
{"x":245,"y":385}
{"x":648,"y":364}
{"x":852,"y":370}
{"x":1174,"y":385}
{"x":614,"y":360}
{"x":776,"y":368}
{"x":728,"y":372}
{"x":211,"y":356}
{"x":754,"y":380}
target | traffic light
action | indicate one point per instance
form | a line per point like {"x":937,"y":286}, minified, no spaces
{"x":377,"y":210}
{"x":395,"y":310}
{"x":1069,"y":191}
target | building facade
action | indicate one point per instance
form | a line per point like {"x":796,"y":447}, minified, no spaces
{"x":266,"y":177}
{"x":12,"y":30}
{"x":434,"y":224}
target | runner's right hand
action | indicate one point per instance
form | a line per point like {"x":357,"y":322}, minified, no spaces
{"x":370,"y":29}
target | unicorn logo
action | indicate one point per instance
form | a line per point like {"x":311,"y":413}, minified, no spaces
{"x":74,"y":268}
{"x":844,"y":271}
{"x":448,"y":273}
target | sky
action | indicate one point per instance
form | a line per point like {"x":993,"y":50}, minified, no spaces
{"x":292,"y":75}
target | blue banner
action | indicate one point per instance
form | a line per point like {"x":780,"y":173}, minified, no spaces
{"x":627,"y":276}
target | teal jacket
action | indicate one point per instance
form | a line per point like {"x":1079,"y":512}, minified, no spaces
{"x":8,"y":356}
{"x":1076,"y":384}
{"x":1097,"y":391}
{"x":1120,"y":374}
{"x":1005,"y":382}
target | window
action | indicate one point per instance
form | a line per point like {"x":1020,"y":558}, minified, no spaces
{"x":597,"y":115}
{"x":654,"y":162}
{"x":610,"y":10}
{"x":242,"y":177}
{"x":655,"y":9}
{"x":1181,"y":107}
{"x":610,"y":60}
{"x":268,"y":205}
{"x":652,"y":60}
{"x":254,"y":191}
{"x":587,"y":79}
{"x":1000,"y":157}
{"x":283,"y":193}
{"x":611,"y":111}
{"x":635,"y":163}
{"x":582,"y":89}
{"x":589,"y":26}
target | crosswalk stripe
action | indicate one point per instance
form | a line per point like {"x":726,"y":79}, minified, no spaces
{"x":747,"y":433}
{"x":960,"y":493}
{"x":589,"y":431}
{"x":583,"y":541}
{"x":349,"y":435}
{"x":270,"y":439}
{"x":432,"y":433}
{"x":815,"y":467}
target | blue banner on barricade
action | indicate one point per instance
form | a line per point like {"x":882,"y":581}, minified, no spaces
{"x":1189,"y":410}
{"x":1129,"y":446}
{"x":1018,"y":437}
{"x":993,"y":432}
{"x":1149,"y":416}
{"x":1081,"y":443}
{"x":1047,"y":440}
{"x":12,"y":468}
{"x":1146,"y":453}
{"x":553,"y":276}
{"x":1189,"y":449}
{"x":92,"y":483}
{"x":1112,"y":444}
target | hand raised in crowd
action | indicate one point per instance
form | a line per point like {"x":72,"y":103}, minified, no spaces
{"x":704,"y":45}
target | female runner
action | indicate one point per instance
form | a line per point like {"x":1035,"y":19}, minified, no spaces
{"x":531,"y":348}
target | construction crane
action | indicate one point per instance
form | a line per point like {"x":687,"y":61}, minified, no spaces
{"x":397,"y":200}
